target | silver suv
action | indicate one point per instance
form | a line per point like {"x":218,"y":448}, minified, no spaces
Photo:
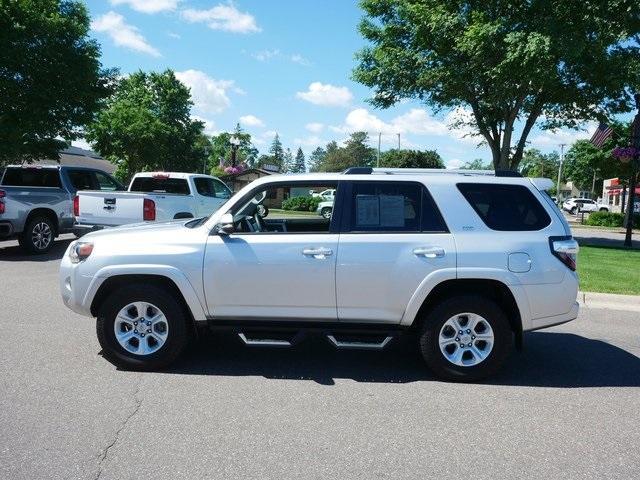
{"x":463,"y":262}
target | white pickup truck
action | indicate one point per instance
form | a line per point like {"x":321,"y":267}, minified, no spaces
{"x":152,"y":196}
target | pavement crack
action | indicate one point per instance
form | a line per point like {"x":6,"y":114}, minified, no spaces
{"x":102,"y":456}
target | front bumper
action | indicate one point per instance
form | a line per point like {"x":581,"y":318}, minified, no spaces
{"x":76,"y":289}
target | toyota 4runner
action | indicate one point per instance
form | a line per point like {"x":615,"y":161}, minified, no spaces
{"x":463,"y":261}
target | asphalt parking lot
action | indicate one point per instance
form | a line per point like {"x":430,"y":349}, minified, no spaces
{"x":567,"y":407}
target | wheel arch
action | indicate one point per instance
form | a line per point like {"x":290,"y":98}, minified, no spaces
{"x":114,"y":282}
{"x":46,"y":212}
{"x":491,"y":288}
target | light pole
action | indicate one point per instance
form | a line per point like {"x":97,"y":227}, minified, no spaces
{"x":635,"y":165}
{"x":562,"y":145}
{"x":235,"y":143}
{"x":379,"y":140}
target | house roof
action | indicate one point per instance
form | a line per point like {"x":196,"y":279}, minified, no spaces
{"x":78,"y":157}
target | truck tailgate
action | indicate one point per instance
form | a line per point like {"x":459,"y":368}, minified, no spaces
{"x":110,"y":208}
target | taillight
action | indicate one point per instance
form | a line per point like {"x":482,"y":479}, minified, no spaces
{"x":76,"y":206}
{"x":565,"y":249}
{"x":148,"y":210}
{"x":2,"y":195}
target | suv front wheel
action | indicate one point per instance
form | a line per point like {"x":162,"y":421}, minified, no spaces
{"x":141,"y":327}
{"x":465,"y":338}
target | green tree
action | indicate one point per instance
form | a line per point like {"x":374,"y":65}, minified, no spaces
{"x":355,"y":153}
{"x":276,"y":152}
{"x":287,"y":162}
{"x":316,"y":158}
{"x":146,"y":125}
{"x":411,"y":159}
{"x":584,"y":159}
{"x":220,"y":154}
{"x":537,"y":164}
{"x":511,"y":63}
{"x":51,"y":79}
{"x":477,"y":164}
{"x":299,"y":165}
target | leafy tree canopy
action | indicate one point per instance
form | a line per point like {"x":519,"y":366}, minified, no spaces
{"x":355,"y":153}
{"x":477,"y":164}
{"x":51,"y":79}
{"x":146,"y":125}
{"x":411,"y":159}
{"x":537,"y":164}
{"x":556,"y":62}
{"x":316,"y":158}
{"x":299,"y":165}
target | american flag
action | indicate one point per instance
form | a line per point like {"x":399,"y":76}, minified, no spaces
{"x":601,"y":135}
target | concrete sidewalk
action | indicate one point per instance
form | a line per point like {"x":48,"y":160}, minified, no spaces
{"x":609,"y":301}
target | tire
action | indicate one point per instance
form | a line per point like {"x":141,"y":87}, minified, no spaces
{"x":573,"y":210}
{"x":604,"y":209}
{"x":434,"y":325}
{"x":38,"y":235}
{"x":326,"y":212}
{"x":175,"y":326}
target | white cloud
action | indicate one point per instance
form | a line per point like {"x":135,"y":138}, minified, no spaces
{"x":274,"y":53}
{"x":299,"y":59}
{"x":224,"y":17}
{"x":310,"y":141}
{"x":454,"y":163}
{"x":123,"y":34}
{"x":553,"y":138}
{"x":81,"y":143}
{"x":266,"y":55}
{"x":174,"y":35}
{"x":209,"y":95}
{"x":326,"y":95}
{"x":251,"y":121}
{"x":148,"y":6}
{"x":209,"y":125}
{"x":314,"y":127}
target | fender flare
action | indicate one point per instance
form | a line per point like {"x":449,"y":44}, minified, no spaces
{"x":434,"y":279}
{"x":183,"y":284}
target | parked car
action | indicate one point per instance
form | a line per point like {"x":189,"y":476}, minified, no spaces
{"x":36,"y":202}
{"x":151,"y":197}
{"x":325,"y":209}
{"x":461,"y":262}
{"x":327,"y":195}
{"x":576,"y":205}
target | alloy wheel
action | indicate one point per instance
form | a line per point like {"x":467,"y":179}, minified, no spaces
{"x":466,"y":339}
{"x":141,"y":328}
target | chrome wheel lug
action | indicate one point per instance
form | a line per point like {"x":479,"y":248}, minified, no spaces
{"x":142,"y":334}
{"x":457,"y":339}
{"x":462,"y":345}
{"x":468,"y":330}
{"x":459,"y":332}
{"x":473,"y":337}
{"x":148,"y":323}
{"x":469,"y":345}
{"x":135,"y":324}
{"x":148,"y":330}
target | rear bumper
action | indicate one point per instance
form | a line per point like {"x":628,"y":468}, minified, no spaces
{"x":546,"y":322}
{"x":80,"y":229}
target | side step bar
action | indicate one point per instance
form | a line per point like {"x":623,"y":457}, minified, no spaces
{"x":359,"y":344}
{"x":270,"y":339}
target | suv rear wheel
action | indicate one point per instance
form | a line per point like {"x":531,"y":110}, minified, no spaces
{"x":142,"y":327}
{"x":465,"y":338}
{"x":38,"y":235}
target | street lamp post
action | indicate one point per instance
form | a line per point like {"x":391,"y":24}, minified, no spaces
{"x":562,"y":145}
{"x":235,"y":143}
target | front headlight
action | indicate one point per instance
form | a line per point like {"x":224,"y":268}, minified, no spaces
{"x":79,"y":251}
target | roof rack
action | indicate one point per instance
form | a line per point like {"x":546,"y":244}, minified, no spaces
{"x":440,"y":171}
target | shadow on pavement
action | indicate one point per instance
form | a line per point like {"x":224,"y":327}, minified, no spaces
{"x":606,"y":242}
{"x":550,"y":359}
{"x":13,"y":252}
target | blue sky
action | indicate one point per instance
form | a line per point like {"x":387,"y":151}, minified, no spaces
{"x":280,"y":66}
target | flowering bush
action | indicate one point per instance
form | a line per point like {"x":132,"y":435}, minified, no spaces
{"x":234,"y":170}
{"x":625,"y":154}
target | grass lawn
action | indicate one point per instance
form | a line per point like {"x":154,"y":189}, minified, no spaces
{"x":278,"y":213}
{"x":609,"y":270}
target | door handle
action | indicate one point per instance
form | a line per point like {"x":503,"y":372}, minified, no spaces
{"x":318,"y":253}
{"x":429,"y":252}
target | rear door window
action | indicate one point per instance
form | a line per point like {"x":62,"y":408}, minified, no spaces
{"x":510,"y":208}
{"x":391,"y":207}
{"x":82,"y":179}
{"x":105,"y":182}
{"x":204,"y":186}
{"x":32,"y":177}
{"x":160,"y":185}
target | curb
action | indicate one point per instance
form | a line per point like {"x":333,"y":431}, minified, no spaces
{"x":609,"y":301}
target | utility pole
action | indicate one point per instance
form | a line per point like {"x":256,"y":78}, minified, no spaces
{"x":562,"y":145}
{"x":398,"y":142}
{"x":593,"y":184}
{"x":379,"y":140}
{"x":635,"y":166}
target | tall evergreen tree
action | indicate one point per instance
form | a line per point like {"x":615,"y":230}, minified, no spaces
{"x":299,"y":163}
{"x":277,"y":152}
{"x":287,"y":162}
{"x":316,"y":158}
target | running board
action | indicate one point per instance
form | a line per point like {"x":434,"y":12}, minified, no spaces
{"x":360,"y":344}
{"x":269,"y":339}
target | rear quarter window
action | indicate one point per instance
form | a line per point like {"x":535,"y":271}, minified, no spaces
{"x":160,"y":185}
{"x":32,"y":177}
{"x":509,"y":208}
